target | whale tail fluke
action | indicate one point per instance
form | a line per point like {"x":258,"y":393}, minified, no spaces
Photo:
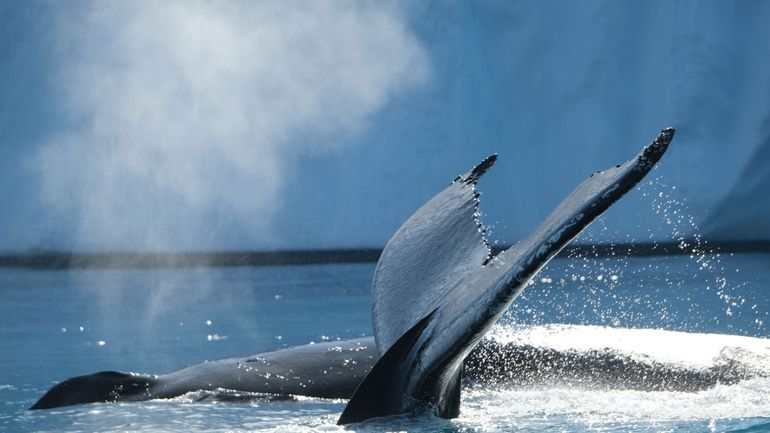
{"x":440,"y":262}
{"x":106,"y":386}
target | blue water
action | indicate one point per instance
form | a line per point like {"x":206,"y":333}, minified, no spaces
{"x":57,"y":324}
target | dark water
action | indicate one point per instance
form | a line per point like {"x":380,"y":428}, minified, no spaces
{"x":57,"y":324}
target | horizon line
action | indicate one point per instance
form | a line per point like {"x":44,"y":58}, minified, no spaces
{"x":56,"y":260}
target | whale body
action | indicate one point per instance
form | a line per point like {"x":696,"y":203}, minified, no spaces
{"x":335,"y":369}
{"x":437,"y":290}
{"x":325,"y":370}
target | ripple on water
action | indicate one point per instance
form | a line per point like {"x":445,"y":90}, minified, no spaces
{"x":581,"y":410}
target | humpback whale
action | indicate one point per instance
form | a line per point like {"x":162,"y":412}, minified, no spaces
{"x":437,"y":289}
{"x":334,"y":370}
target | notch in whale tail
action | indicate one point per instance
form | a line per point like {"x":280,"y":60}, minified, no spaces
{"x":437,"y":273}
{"x":103,"y":387}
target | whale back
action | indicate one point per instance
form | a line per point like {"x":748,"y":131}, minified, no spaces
{"x":440,"y":245}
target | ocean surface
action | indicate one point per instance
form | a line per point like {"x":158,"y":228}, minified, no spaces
{"x":58,"y":324}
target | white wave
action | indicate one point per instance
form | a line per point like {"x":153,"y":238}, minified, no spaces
{"x":688,"y":348}
{"x":531,"y":407}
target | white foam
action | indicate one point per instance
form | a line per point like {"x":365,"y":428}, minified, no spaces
{"x":695,"y":349}
{"x":499,"y":407}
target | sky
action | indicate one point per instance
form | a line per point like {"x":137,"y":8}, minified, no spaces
{"x":199,"y":126}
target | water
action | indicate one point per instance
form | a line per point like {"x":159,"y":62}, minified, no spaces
{"x":57,"y":324}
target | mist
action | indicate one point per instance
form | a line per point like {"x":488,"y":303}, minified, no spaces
{"x":185,"y":118}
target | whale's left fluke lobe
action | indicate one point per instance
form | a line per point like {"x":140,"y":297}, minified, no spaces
{"x":437,"y":290}
{"x":441,"y":243}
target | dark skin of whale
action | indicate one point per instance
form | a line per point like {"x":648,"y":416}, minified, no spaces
{"x":325,"y":370}
{"x":334,"y":369}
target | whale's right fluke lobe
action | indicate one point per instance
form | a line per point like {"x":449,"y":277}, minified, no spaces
{"x":441,"y":243}
{"x":589,"y":200}
{"x":437,"y":272}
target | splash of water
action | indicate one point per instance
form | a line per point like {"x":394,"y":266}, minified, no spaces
{"x":667,"y":290}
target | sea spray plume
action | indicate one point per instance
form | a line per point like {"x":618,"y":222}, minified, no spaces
{"x":436,"y":293}
{"x":184,"y":117}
